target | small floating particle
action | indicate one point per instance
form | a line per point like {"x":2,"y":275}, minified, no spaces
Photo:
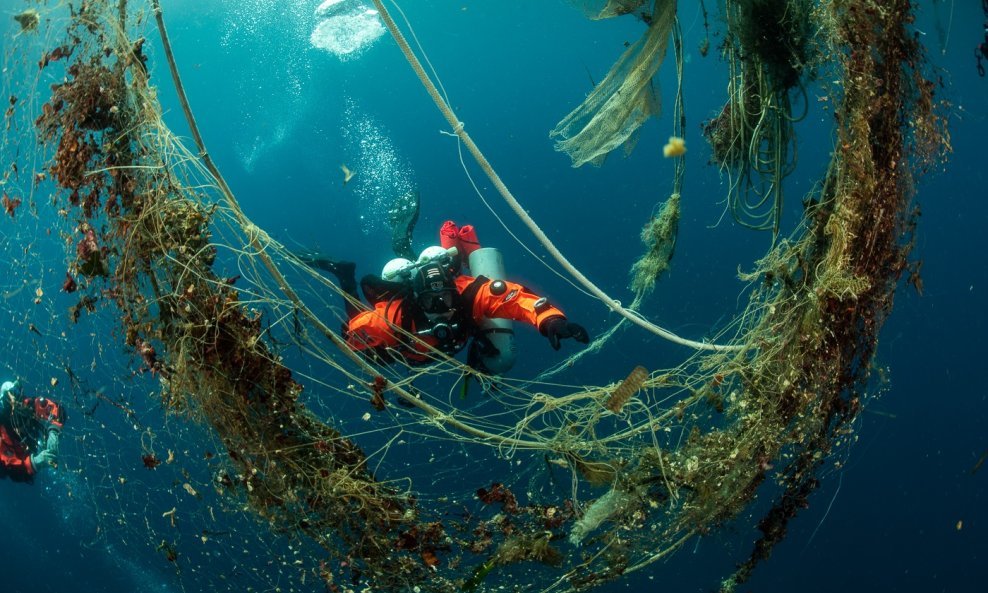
{"x":347,"y":174}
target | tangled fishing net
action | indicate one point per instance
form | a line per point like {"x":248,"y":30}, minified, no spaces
{"x":241,"y":393}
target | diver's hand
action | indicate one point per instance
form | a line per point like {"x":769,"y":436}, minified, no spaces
{"x":52,"y":443}
{"x":7,"y":387}
{"x":43,"y":459}
{"x":48,"y":455}
{"x":557,"y":328}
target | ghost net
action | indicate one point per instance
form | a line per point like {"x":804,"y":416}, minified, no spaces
{"x":232,"y":334}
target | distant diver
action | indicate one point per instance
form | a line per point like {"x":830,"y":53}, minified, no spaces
{"x":29,"y":433}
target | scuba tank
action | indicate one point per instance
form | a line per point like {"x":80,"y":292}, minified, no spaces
{"x":487,"y":261}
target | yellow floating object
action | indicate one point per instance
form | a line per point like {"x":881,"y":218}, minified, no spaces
{"x":675,"y":147}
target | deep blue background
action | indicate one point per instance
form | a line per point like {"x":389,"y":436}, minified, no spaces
{"x":279,"y":117}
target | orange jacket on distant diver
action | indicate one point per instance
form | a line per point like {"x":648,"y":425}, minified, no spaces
{"x":40,"y":414}
{"x":379,"y":331}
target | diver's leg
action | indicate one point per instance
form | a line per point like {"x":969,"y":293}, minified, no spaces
{"x":345,"y":273}
{"x":403,"y":218}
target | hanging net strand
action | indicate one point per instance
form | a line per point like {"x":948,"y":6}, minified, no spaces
{"x":617,"y":107}
{"x":752,"y":138}
{"x":659,"y":234}
{"x":605,"y":9}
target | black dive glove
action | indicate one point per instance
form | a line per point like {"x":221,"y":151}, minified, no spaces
{"x":557,"y":328}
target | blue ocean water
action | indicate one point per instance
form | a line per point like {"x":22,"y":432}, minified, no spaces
{"x":906,"y":512}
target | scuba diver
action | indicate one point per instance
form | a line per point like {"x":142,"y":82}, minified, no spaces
{"x":417,"y":307}
{"x":29,"y":432}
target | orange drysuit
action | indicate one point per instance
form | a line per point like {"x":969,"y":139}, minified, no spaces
{"x":378,"y":331}
{"x":15,"y":455}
